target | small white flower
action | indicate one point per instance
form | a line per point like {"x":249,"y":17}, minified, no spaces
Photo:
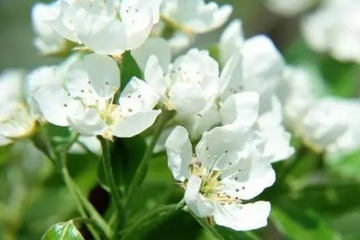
{"x":47,"y":40}
{"x":298,"y":90}
{"x":323,"y":124}
{"x":349,"y":141}
{"x":228,"y":166}
{"x":289,"y":8}
{"x":16,"y":119}
{"x":188,"y":85}
{"x":338,"y":21}
{"x":85,"y":102}
{"x":332,"y":126}
{"x":106,"y":27}
{"x":195,"y":16}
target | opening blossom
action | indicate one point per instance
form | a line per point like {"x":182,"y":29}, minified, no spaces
{"x":188,"y":85}
{"x":16,"y":117}
{"x":85,"y":100}
{"x":228,"y":167}
{"x":106,"y":27}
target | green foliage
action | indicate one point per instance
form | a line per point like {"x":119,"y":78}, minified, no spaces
{"x":347,"y":166}
{"x":63,"y":231}
{"x":297,"y":222}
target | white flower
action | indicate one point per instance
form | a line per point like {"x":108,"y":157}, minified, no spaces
{"x":47,"y":40}
{"x":106,"y":27}
{"x":228,"y":166}
{"x":195,"y":16}
{"x":338,"y":21}
{"x":333,"y":126}
{"x":289,"y":8}
{"x":256,"y":66}
{"x":85,"y":102}
{"x":298,"y":90}
{"x":16,"y":119}
{"x":323,"y":124}
{"x":188,"y":85}
{"x":349,"y":141}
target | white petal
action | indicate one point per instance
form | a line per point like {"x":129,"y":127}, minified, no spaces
{"x":251,"y":175}
{"x":11,"y":85}
{"x":178,"y":149}
{"x":154,"y":76}
{"x":42,"y":76}
{"x":231,"y":40}
{"x":85,"y":121}
{"x":61,"y":20}
{"x":85,"y":143}
{"x":242,"y":217}
{"x":101,"y":33}
{"x":94,"y":71}
{"x":277,"y":145}
{"x":221,"y":146}
{"x":179,"y":41}
{"x":194,"y":200}
{"x":187,"y":98}
{"x":136,"y":123}
{"x":53,"y":102}
{"x":232,"y":76}
{"x":138,"y":96}
{"x":241,"y":108}
{"x":262,"y":63}
{"x":138,"y":21}
{"x":153,"y":46}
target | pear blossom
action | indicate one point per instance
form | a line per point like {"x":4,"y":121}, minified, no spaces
{"x":337,"y":20}
{"x":349,"y":141}
{"x":322,"y":125}
{"x":195,"y":16}
{"x":332,"y":126}
{"x":188,"y":85}
{"x":85,"y":100}
{"x":228,"y":166}
{"x":299,"y":89}
{"x":47,"y":40}
{"x":185,"y":18}
{"x":16,"y":118}
{"x":235,"y":96}
{"x":106,"y":27}
{"x":289,"y":8}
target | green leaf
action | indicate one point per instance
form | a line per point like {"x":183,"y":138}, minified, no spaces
{"x":63,"y":231}
{"x":129,"y":69}
{"x":299,"y":223}
{"x":331,"y":199}
{"x":214,"y":51}
{"x":340,"y":77}
{"x":347,"y":166}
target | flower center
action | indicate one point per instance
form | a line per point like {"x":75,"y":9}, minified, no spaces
{"x":211,"y":185}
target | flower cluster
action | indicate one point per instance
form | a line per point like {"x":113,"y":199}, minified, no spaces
{"x":222,"y":116}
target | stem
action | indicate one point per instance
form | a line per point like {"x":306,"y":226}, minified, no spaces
{"x":151,"y":219}
{"x":140,"y":173}
{"x":59,"y":158}
{"x":109,"y":175}
{"x":84,"y":206}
